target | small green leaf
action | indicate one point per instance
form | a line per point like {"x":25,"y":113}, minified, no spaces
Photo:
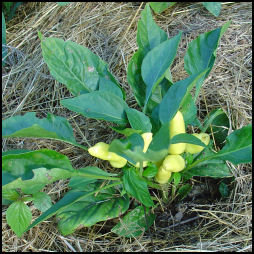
{"x":201,"y":52}
{"x":42,"y":201}
{"x":177,"y":178}
{"x":108,"y":106}
{"x":138,"y":120}
{"x":10,"y":195}
{"x":213,"y":7}
{"x":159,"y":7}
{"x":137,"y":187}
{"x":19,"y":217}
{"x":183,"y":191}
{"x":126,"y":131}
{"x":29,"y":126}
{"x":223,"y":189}
{"x":134,"y":223}
{"x":156,"y":63}
{"x":150,"y":171}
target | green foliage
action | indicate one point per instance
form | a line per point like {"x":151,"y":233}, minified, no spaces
{"x":213,"y":7}
{"x":159,"y":7}
{"x":98,"y":195}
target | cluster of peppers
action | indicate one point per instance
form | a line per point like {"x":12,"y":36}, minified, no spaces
{"x":173,"y":162}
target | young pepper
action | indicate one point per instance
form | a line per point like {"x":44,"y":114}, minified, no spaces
{"x":204,"y":137}
{"x":176,"y":126}
{"x":100,"y":150}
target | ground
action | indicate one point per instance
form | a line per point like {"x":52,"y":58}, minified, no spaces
{"x":203,"y":221}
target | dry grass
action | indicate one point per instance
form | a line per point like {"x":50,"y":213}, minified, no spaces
{"x":109,"y":30}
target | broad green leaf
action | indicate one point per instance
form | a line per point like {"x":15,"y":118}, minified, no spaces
{"x":134,"y":223}
{"x":149,"y":34}
{"x":137,"y":187}
{"x":42,"y":201}
{"x":21,"y":165}
{"x":81,"y":183}
{"x":150,"y":171}
{"x":213,"y":7}
{"x":108,"y":86}
{"x":213,"y":168}
{"x":17,"y":151}
{"x":18,"y":217}
{"x":90,"y":210}
{"x":67,"y":201}
{"x":156,"y":63}
{"x":4,"y":48}
{"x":176,"y":95}
{"x":186,"y":138}
{"x":74,"y":65}
{"x":219,"y":122}
{"x":159,"y":7}
{"x":201,"y":52}
{"x":29,"y":126}
{"x":126,"y":131}
{"x":10,"y":195}
{"x":138,"y":120}
{"x":189,"y":109}
{"x":158,"y":148}
{"x":42,"y":177}
{"x":100,"y":105}
{"x":238,"y":147}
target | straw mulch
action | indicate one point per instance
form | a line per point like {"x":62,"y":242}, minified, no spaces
{"x":109,"y":29}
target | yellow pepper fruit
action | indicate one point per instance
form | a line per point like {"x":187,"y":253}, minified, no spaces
{"x":100,"y":150}
{"x":147,"y":137}
{"x":162,"y":175}
{"x":173,"y":163}
{"x":176,"y":126}
{"x":204,"y":137}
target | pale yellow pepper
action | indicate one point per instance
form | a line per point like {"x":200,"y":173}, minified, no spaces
{"x":162,"y":175}
{"x":204,"y":137}
{"x":100,"y":150}
{"x":176,"y":126}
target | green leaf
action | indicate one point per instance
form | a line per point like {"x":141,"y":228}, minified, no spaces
{"x":18,"y":217}
{"x":156,"y":63}
{"x":107,"y":85}
{"x":42,"y":201}
{"x":130,"y":148}
{"x":94,"y":173}
{"x":201,"y":52}
{"x":42,"y":177}
{"x":10,"y":195}
{"x":29,"y":126}
{"x":238,"y":148}
{"x":219,"y":122}
{"x":186,"y":138}
{"x":150,"y":171}
{"x":177,"y":178}
{"x":63,"y":3}
{"x":22,"y":164}
{"x":74,"y":65}
{"x":189,"y":110}
{"x":176,"y":95}
{"x":126,"y":131}
{"x":4,"y":48}
{"x":17,"y":151}
{"x":223,"y":189}
{"x":213,"y":7}
{"x":137,"y":187}
{"x":90,"y":210}
{"x":183,"y":191}
{"x":159,"y":7}
{"x":134,"y":223}
{"x":98,"y":105}
{"x":138,"y":120}
{"x":149,"y":34}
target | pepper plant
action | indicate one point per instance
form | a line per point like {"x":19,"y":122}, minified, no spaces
{"x":145,"y":159}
